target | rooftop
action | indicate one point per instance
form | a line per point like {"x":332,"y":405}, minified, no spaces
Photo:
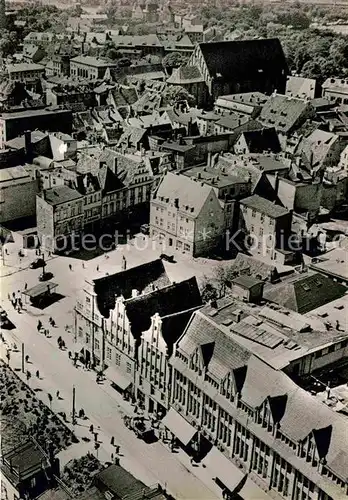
{"x":246,"y":281}
{"x":305,"y":292}
{"x":60,"y":194}
{"x":142,"y":278}
{"x":213,"y":177}
{"x":20,"y":67}
{"x":235,"y":59}
{"x":27,"y":113}
{"x":261,"y":140}
{"x":264,"y":206}
{"x":93,"y":61}
{"x":283,"y":112}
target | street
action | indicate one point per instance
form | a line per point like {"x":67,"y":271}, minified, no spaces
{"x":151,"y":463}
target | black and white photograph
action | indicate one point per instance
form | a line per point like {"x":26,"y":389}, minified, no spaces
{"x":174,"y":249}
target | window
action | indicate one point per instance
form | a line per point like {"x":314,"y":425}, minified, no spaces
{"x":108,"y":352}
{"x":118,"y":359}
{"x":96,"y":344}
{"x":129,"y":367}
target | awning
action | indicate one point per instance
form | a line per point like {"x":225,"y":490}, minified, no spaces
{"x":40,"y":289}
{"x":179,"y":426}
{"x":224,"y":470}
{"x":117,"y":378}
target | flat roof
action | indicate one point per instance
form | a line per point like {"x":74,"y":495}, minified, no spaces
{"x":33,"y":112}
{"x":92,"y":61}
{"x":60,"y":194}
{"x":15,"y":68}
{"x":40,"y":289}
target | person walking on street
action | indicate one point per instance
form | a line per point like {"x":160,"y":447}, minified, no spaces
{"x":57,"y":394}
{"x":27,"y":358}
{"x":37,"y":374}
{"x":69,"y":354}
{"x":91,"y":429}
{"x":26,"y":286}
{"x":70,"y":267}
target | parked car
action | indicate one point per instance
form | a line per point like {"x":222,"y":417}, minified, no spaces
{"x":145,"y":229}
{"x":4,"y":321}
{"x":168,"y":258}
{"x":37,"y":263}
{"x":45,"y":276}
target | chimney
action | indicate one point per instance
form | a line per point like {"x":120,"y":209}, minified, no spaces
{"x":28,"y":145}
{"x":114,"y":166}
{"x":276,"y":183}
{"x":209,"y":159}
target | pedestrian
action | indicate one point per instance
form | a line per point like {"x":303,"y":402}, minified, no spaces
{"x":14,"y":295}
{"x":39,"y":325}
{"x":49,"y":253}
{"x":112,"y":457}
{"x":112,"y":442}
{"x":27,"y":358}
{"x":91,"y":429}
{"x":63,"y":344}
{"x":57,"y":394}
{"x":26,"y":286}
{"x":59,"y":339}
{"x":20,"y":303}
{"x":117,"y":449}
{"x":6,"y":251}
{"x":9,"y":297}
{"x":37,"y":374}
{"x":69,"y":354}
{"x":83,"y":265}
{"x":97,"y":268}
{"x":70,"y":267}
{"x":96,"y":437}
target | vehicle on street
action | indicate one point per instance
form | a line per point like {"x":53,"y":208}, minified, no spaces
{"x":145,"y":229}
{"x":4,"y":321}
{"x":168,"y":258}
{"x":37,"y":263}
{"x":45,"y":276}
{"x":141,"y":426}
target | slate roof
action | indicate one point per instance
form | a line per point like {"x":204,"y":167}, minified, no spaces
{"x":190,"y":193}
{"x":246,"y":281}
{"x":259,"y":141}
{"x":60,"y":194}
{"x":237,"y":59}
{"x":284,"y":113}
{"x":141,"y":278}
{"x":166,"y":301}
{"x":305,"y":292}
{"x":264,"y":206}
{"x":119,"y":481}
{"x":221,"y":353}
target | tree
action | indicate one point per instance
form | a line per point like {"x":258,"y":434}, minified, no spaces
{"x":174,"y":60}
{"x":175,"y":94}
{"x":208,"y":292}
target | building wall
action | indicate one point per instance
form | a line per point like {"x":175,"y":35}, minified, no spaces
{"x":300,"y":197}
{"x":153,"y":375}
{"x":44,"y":220}
{"x":51,"y":121}
{"x":246,"y":436}
{"x":18,"y":199}
{"x":320,"y":359}
{"x":209,"y":227}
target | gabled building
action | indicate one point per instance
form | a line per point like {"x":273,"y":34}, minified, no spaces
{"x":302,"y":88}
{"x":285,"y":114}
{"x":264,"y":140}
{"x":186,"y":215}
{"x":102,"y":325}
{"x":336,"y":90}
{"x":241,"y":66}
{"x":268,"y":226}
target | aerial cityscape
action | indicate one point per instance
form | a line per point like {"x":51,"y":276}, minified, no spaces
{"x":174,"y":241}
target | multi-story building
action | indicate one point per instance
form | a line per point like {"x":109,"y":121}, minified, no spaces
{"x":89,"y":68}
{"x":249,"y":103}
{"x":59,"y":213}
{"x":336,"y":90}
{"x":161,"y":317}
{"x":18,"y":189}
{"x":102,"y":325}
{"x":187,"y":215}
{"x":279,"y":434}
{"x":241,"y":66}
{"x":15,"y":123}
{"x":268,"y":227}
{"x":29,"y":73}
